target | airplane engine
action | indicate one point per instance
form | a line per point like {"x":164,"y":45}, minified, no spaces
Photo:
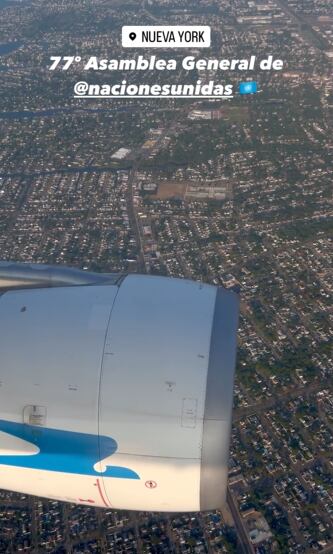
{"x":115,"y":390}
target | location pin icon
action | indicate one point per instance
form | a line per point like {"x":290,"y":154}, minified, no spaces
{"x":132,"y":36}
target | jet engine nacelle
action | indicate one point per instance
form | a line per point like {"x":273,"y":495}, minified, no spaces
{"x":115,"y":390}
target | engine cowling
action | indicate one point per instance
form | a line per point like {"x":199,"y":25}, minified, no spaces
{"x":115,"y":390}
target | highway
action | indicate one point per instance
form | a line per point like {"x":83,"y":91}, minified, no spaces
{"x":243,"y":539}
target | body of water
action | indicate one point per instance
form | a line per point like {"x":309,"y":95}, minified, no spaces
{"x":8,"y":3}
{"x":9,"y":47}
{"x":56,"y":111}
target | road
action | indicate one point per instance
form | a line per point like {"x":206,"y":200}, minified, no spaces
{"x":306,"y":31}
{"x":283,"y":397}
{"x":133,"y":217}
{"x":243,"y":540}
